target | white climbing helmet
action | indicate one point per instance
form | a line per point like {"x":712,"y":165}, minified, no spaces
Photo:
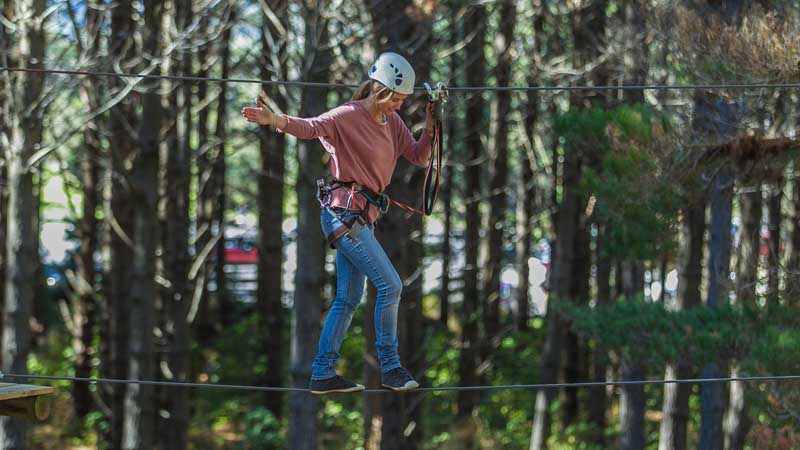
{"x":394,"y":72}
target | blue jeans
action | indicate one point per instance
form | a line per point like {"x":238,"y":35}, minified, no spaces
{"x":356,"y":260}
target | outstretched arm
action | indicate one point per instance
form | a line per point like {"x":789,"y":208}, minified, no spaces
{"x":262,"y":115}
{"x":312,"y":128}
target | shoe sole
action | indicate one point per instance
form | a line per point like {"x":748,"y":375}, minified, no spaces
{"x":407,"y":387}
{"x":339,"y":391}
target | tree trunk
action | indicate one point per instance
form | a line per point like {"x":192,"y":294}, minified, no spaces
{"x":446,"y":195}
{"x":3,"y":215}
{"x":749,"y":243}
{"x":712,"y":397}
{"x":446,"y":198}
{"x":673,"y":432}
{"x":176,"y":248}
{"x":793,"y":254}
{"x":274,"y":40}
{"x":118,"y":206}
{"x":498,"y":197}
{"x":138,"y":431}
{"x":632,"y":398}
{"x":201,"y":313}
{"x":475,"y":20}
{"x":310,"y":243}
{"x":635,"y":49}
{"x":568,"y":218}
{"x":373,"y":404}
{"x":574,"y":351}
{"x":84,"y":305}
{"x":588,"y":24}
{"x":774,"y":244}
{"x":631,"y":409}
{"x":21,"y":257}
{"x":736,"y":422}
{"x":224,"y":300}
{"x":718,"y":119}
{"x":526,"y":187}
{"x":598,"y":397}
{"x":6,"y":94}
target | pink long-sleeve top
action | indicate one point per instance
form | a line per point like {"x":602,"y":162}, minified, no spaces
{"x":362,"y":150}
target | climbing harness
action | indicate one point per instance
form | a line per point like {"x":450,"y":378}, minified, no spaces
{"x":351,"y":227}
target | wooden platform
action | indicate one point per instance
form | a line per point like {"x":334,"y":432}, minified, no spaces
{"x":24,"y":400}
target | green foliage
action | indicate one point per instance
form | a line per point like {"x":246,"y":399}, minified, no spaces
{"x":575,"y":437}
{"x":623,"y":172}
{"x":262,"y":431}
{"x":639,"y":330}
{"x":650,"y":334}
{"x":506,"y":414}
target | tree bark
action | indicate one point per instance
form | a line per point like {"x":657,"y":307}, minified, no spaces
{"x":526,"y":186}
{"x":6,"y":94}
{"x":202,"y":311}
{"x":712,"y":399}
{"x":310,"y":243}
{"x":373,"y":404}
{"x":21,"y":257}
{"x":793,"y":253}
{"x":567,"y":221}
{"x":84,"y":304}
{"x":274,"y":40}
{"x":598,"y":397}
{"x":475,"y":19}
{"x":446,"y":195}
{"x":138,"y":431}
{"x":774,"y":244}
{"x":736,"y":422}
{"x":632,"y":398}
{"x":717,"y":121}
{"x":218,"y":194}
{"x":673,"y":431}
{"x":749,"y":243}
{"x":176,"y":246}
{"x":118,"y":226}
{"x":574,"y":348}
{"x":498,"y":183}
{"x":631,"y":409}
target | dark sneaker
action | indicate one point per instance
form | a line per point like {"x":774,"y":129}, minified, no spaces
{"x":398,"y":379}
{"x":332,"y":385}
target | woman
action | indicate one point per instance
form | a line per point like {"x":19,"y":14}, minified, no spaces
{"x":365,"y":138}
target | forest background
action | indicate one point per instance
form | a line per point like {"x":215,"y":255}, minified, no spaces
{"x":622,"y":232}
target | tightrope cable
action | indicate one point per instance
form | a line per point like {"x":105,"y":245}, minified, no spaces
{"x":637,"y":87}
{"x":540,"y":386}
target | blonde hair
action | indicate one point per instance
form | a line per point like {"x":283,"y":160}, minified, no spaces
{"x":372,"y":88}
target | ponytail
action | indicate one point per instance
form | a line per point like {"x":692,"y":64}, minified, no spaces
{"x":372,"y":87}
{"x":363,"y":91}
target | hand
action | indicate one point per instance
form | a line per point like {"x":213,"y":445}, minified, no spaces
{"x":260,"y":114}
{"x":429,"y":117}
